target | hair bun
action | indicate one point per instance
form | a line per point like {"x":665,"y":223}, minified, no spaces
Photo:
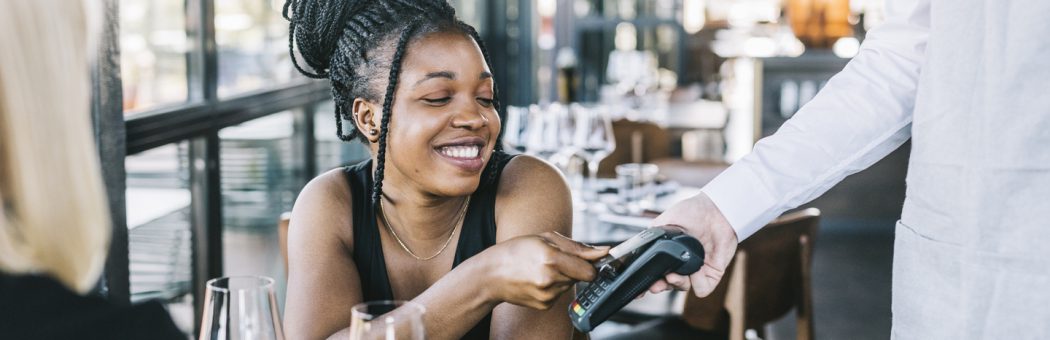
{"x":314,"y":30}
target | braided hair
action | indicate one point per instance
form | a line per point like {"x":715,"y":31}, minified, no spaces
{"x":351,"y":43}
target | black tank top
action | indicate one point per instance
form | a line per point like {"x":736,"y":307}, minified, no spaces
{"x":478,"y":232}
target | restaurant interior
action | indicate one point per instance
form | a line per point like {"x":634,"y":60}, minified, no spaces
{"x":208,"y":133}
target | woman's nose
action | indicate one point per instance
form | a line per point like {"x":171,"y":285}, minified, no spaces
{"x":469,"y":118}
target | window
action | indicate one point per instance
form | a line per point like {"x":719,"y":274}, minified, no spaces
{"x":471,"y":12}
{"x":260,"y":178}
{"x":252,"y":38}
{"x":153,"y":46}
{"x":333,"y":152}
{"x":159,"y":243}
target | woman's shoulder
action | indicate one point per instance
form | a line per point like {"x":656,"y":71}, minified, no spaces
{"x":532,"y":190}
{"x":325,"y":206}
{"x":329,"y":190}
{"x":525,"y":173}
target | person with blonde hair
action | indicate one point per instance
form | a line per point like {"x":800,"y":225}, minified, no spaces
{"x":54,"y":222}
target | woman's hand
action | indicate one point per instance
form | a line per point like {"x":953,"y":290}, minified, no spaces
{"x":534,"y":270}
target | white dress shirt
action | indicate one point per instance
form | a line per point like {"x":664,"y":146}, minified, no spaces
{"x":969,"y":82}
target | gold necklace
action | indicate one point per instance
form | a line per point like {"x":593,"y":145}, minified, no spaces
{"x":459,"y":218}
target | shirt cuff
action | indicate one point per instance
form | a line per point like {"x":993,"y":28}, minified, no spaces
{"x":744,"y":201}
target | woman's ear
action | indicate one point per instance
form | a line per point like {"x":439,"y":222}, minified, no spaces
{"x":365,"y":116}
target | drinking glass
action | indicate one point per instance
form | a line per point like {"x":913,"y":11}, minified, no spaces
{"x":594,"y":139}
{"x":637,"y":189}
{"x":241,"y":308}
{"x":387,"y":320}
{"x":516,"y":128}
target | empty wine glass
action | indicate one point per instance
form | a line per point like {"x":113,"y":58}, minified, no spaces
{"x":594,"y":139}
{"x":543,"y":132}
{"x":564,"y":126}
{"x":387,"y":320}
{"x":241,"y":308}
{"x":516,"y":128}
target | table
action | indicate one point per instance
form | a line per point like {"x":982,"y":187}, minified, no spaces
{"x":602,"y":225}
{"x":145,"y":205}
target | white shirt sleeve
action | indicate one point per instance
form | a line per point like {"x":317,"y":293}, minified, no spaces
{"x":861,"y":115}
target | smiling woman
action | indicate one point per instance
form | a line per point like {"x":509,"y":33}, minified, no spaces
{"x":439,"y":214}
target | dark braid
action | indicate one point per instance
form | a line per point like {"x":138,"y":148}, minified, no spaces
{"x":321,"y":19}
{"x":395,"y":72}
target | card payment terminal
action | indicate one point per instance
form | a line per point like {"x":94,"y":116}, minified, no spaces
{"x":630,"y":268}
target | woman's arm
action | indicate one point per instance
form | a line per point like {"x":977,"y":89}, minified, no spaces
{"x":532,"y":198}
{"x":323,"y":282}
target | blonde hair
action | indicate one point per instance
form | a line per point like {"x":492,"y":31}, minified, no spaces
{"x":54,"y":218}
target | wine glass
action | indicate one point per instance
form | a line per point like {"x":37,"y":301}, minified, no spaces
{"x":594,"y":140}
{"x":516,"y":128}
{"x":543,"y":132}
{"x":387,"y":320}
{"x":241,"y":308}
{"x":564,"y":126}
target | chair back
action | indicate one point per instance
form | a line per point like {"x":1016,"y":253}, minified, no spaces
{"x":636,"y":142}
{"x":768,"y":277}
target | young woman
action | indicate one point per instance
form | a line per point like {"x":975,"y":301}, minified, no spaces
{"x":54,"y":223}
{"x":438,"y":215}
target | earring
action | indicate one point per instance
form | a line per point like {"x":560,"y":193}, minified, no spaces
{"x":373,"y":131}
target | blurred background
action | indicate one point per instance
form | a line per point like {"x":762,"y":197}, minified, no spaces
{"x":211,"y":133}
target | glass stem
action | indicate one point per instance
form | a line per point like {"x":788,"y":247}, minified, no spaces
{"x":592,"y":177}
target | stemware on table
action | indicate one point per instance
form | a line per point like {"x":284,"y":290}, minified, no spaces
{"x":594,"y":139}
{"x":241,"y":308}
{"x":387,"y":320}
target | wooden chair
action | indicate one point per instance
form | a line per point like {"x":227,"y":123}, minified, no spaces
{"x":769,"y":276}
{"x":636,"y":142}
{"x":646,"y":142}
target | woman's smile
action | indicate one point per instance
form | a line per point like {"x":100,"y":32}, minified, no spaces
{"x":463,"y":153}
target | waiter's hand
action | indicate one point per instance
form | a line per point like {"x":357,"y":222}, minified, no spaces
{"x":702,"y":220}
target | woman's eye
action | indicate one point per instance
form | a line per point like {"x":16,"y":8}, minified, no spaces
{"x":486,"y":102}
{"x":437,"y":101}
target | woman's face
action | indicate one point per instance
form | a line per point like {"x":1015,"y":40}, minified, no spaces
{"x":443,"y":125}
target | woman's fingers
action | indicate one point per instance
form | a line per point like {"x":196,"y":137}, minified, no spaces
{"x":572,"y":266}
{"x":570,"y":246}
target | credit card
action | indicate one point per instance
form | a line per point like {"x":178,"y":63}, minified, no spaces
{"x":627,"y":247}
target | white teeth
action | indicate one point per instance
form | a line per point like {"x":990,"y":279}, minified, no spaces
{"x":460,"y":151}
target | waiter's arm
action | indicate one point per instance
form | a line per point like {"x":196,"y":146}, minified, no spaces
{"x":863,"y":113}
